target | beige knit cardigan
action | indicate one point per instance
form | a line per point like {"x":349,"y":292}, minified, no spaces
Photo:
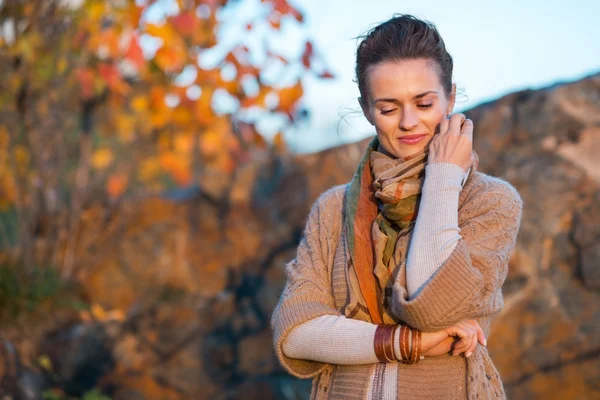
{"x":466,"y":286}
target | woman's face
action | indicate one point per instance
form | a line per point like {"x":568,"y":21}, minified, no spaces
{"x":406,"y":98}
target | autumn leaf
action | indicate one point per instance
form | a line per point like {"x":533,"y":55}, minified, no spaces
{"x":102,"y":158}
{"x":307,"y":55}
{"x":134,"y":53}
{"x":85,"y":76}
{"x":184,"y":23}
{"x":288,"y":97}
{"x":116,"y":185}
{"x":112,"y":77}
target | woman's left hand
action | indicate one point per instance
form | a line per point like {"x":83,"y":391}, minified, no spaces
{"x":454,"y":143}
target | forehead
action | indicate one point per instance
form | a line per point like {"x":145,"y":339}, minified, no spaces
{"x":403,"y":79}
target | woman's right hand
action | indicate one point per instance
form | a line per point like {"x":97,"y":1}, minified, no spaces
{"x":460,"y":338}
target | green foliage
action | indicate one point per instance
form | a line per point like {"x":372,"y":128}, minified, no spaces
{"x":21,"y":293}
{"x":93,"y":394}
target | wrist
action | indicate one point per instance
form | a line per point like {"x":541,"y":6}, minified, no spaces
{"x":443,"y":175}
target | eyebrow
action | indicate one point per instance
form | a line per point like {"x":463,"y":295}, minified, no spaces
{"x":421,"y":95}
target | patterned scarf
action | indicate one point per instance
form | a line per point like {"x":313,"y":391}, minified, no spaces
{"x":381,"y":208}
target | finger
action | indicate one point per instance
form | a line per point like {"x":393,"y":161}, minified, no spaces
{"x":472,"y":346}
{"x":456,"y":122}
{"x":481,"y":336}
{"x":444,"y":125}
{"x":467,"y":129}
{"x":463,"y":345}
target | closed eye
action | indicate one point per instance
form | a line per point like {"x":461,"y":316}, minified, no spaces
{"x":384,"y":112}
{"x":425,"y":105}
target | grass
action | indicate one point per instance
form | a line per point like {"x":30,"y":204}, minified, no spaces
{"x":22,"y":293}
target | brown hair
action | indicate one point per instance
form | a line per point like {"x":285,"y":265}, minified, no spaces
{"x":399,"y":38}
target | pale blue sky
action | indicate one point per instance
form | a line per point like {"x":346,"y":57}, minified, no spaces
{"x":498,"y":47}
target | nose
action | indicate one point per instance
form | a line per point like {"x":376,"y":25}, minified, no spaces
{"x":408,"y":120}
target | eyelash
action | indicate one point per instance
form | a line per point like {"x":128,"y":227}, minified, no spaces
{"x":384,"y":112}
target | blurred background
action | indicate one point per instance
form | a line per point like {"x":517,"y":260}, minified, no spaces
{"x":158,"y":160}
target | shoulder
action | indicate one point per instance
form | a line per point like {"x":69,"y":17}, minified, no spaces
{"x":332,"y":200}
{"x":326,"y":214}
{"x":490,"y":195}
{"x":487,"y":187}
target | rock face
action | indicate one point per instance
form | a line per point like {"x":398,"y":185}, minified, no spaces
{"x":546,"y":341}
{"x":199,"y":273}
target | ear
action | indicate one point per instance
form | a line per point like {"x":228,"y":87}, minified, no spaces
{"x":365,"y":109}
{"x":451,"y":100}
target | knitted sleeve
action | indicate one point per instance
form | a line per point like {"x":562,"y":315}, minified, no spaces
{"x":436,"y":232}
{"x":307,"y":293}
{"x":468,"y":284}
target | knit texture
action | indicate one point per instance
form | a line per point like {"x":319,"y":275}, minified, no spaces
{"x":467,"y":285}
{"x":342,"y":340}
{"x":436,"y":232}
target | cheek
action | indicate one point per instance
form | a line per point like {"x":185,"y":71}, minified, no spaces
{"x":434,"y":120}
{"x":385,"y":124}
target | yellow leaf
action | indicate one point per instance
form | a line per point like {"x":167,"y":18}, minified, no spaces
{"x":210,"y":143}
{"x":126,"y":127}
{"x":184,"y":143}
{"x":62,"y":65}
{"x":102,"y":158}
{"x":45,"y":363}
{"x":21,"y":158}
{"x":164,"y":32}
{"x":149,"y":169}
{"x":139,"y":104}
{"x":98,"y":312}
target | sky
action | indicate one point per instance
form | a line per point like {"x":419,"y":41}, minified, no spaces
{"x":498,"y":47}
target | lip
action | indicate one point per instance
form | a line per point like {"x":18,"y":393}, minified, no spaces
{"x":411,"y":139}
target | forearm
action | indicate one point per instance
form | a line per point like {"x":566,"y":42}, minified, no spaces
{"x":436,"y":232}
{"x":334,"y":340}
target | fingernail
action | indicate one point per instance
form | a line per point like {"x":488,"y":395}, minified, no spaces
{"x":485,"y":342}
{"x":469,"y":354}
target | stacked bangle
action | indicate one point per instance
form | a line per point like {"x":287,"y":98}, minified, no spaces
{"x":410,"y":344}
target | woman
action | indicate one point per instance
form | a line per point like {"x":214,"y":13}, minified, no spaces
{"x":381,"y":303}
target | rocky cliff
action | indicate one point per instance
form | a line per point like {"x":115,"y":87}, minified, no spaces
{"x":198,"y":273}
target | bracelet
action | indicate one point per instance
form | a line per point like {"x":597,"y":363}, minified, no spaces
{"x":415,"y":354}
{"x":404,"y":330}
{"x":384,"y":343}
{"x":410,"y":345}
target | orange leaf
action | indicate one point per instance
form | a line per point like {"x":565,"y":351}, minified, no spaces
{"x":308,"y":53}
{"x":178,"y":167}
{"x":184,"y":23}
{"x":326,"y":75}
{"x":171,"y":58}
{"x":203,"y":109}
{"x":164,"y":32}
{"x":210,"y":143}
{"x":134,"y":53}
{"x":112,"y":77}
{"x":116,"y":185}
{"x":289,"y":96}
{"x":85,"y":76}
